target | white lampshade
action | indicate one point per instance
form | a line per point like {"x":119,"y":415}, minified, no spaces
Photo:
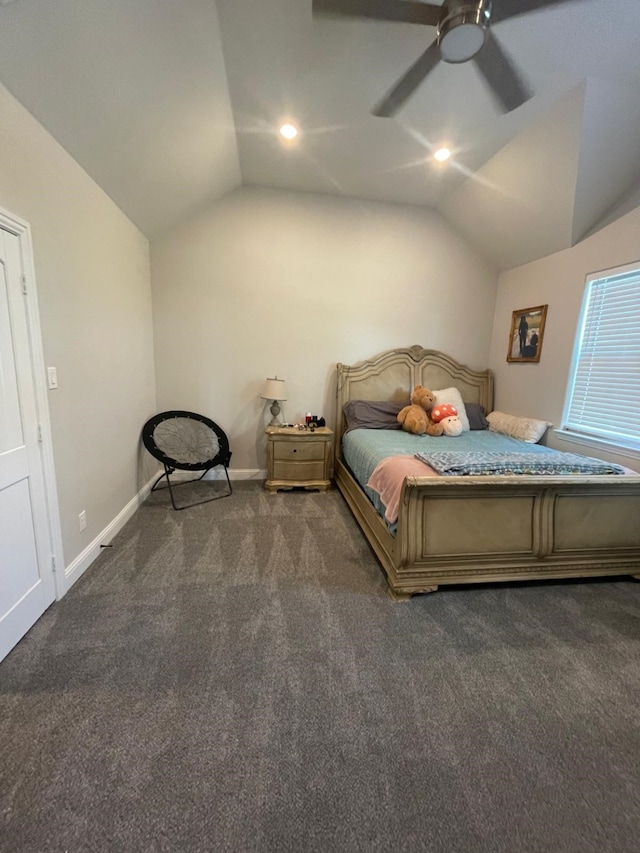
{"x":274,"y":390}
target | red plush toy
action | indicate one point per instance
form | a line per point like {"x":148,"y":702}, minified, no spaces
{"x":447,"y":416}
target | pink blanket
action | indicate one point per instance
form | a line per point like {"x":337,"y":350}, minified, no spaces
{"x":388,"y":477}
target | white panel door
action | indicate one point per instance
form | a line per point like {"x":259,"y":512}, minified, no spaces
{"x":26,"y":573}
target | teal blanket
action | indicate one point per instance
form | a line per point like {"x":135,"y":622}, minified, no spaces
{"x":550,"y":463}
{"x":364,"y":448}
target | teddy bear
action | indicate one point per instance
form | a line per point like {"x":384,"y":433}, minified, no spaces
{"x":447,"y":415}
{"x":415,"y":418}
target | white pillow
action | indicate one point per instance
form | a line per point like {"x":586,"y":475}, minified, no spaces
{"x":530,"y":430}
{"x":454,"y":398}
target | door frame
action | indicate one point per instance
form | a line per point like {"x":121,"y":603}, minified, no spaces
{"x":22,"y":230}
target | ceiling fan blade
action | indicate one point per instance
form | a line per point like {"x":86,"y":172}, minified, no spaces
{"x":512,"y":8}
{"x":407,"y":11}
{"x":501,"y":75}
{"x":409,"y":82}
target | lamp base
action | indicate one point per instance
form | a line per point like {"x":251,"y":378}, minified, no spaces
{"x":275,"y":411}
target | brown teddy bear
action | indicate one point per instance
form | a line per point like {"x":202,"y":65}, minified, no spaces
{"x":415,"y":418}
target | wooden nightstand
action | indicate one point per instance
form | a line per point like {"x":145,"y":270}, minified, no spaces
{"x":298,"y":457}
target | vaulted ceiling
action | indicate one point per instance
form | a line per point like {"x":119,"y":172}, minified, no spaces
{"x":169,"y":105}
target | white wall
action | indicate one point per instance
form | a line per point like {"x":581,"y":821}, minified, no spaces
{"x":269,"y":282}
{"x":92,"y":270}
{"x":538,"y":390}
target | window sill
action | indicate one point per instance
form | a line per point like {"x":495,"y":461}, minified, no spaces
{"x":599,"y":443}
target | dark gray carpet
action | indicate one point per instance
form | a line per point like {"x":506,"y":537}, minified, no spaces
{"x":235,"y":678}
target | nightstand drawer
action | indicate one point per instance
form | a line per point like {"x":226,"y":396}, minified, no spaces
{"x":299,"y":451}
{"x":298,"y":471}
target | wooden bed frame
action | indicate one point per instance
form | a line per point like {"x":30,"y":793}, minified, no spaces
{"x":458,"y":530}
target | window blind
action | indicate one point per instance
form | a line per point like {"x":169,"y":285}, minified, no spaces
{"x":604,"y":388}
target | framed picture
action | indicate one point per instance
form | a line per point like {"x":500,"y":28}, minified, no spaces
{"x":527,"y":331}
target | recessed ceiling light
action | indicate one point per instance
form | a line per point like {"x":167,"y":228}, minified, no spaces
{"x":289,"y":131}
{"x":442,"y":154}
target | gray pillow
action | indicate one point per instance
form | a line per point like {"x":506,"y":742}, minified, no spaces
{"x":475,"y":413}
{"x":372,"y":414}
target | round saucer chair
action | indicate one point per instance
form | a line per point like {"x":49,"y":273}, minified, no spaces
{"x":186,"y":441}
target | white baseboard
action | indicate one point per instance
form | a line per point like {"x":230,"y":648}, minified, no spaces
{"x":218,"y":474}
{"x":79,"y":566}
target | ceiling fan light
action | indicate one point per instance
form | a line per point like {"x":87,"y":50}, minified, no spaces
{"x":462,"y":42}
{"x":463,"y":32}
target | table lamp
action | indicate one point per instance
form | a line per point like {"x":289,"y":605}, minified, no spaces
{"x":274,"y":390}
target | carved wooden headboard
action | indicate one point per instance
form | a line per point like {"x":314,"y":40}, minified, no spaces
{"x":393,"y":374}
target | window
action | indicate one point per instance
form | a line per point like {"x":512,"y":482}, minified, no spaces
{"x":603,"y":400}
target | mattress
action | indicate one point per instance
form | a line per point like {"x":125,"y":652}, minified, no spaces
{"x":364,"y":449}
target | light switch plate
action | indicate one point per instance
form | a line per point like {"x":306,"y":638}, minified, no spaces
{"x":52,"y":377}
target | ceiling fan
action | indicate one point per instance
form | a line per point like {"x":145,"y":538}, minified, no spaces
{"x":462,"y":33}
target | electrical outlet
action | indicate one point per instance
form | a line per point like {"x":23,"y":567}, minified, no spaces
{"x":82,"y":519}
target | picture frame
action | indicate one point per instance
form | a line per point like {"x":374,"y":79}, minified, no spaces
{"x":527,"y":332}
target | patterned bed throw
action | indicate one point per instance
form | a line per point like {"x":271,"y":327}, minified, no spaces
{"x":553,"y":462}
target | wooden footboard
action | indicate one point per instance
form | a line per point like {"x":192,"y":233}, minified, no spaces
{"x":454,"y":530}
